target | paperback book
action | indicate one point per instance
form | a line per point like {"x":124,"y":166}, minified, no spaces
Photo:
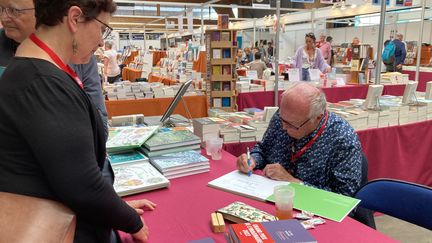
{"x":240,"y":212}
{"x":129,"y":157}
{"x":172,"y":137}
{"x":126,"y":138}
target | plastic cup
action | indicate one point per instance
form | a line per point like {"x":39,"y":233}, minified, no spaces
{"x":215,"y":148}
{"x":284,"y":198}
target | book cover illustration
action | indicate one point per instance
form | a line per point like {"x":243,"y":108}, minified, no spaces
{"x":215,"y":36}
{"x":226,"y":70}
{"x":225,"y":36}
{"x":217,"y":70}
{"x":288,"y":231}
{"x":124,"y":138}
{"x":165,"y":138}
{"x":226,"y":53}
{"x":217,"y":53}
{"x":135,"y":178}
{"x":226,"y":102}
{"x":240,"y":212}
{"x":180,"y":159}
{"x":127,"y":157}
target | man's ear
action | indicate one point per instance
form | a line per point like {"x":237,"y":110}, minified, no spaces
{"x":73,"y":17}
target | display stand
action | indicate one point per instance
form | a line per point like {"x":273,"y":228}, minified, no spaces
{"x":221,"y":46}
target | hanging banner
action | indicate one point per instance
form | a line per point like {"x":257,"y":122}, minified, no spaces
{"x":404,"y":3}
{"x":180,"y":24}
{"x":189,"y":14}
{"x":303,"y":1}
{"x":378,"y":2}
{"x":261,"y":3}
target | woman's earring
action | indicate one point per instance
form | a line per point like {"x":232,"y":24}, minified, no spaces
{"x":74,"y":47}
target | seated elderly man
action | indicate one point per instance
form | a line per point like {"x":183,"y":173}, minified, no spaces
{"x":306,"y":143}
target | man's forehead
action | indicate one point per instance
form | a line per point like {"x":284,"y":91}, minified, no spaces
{"x":16,"y":3}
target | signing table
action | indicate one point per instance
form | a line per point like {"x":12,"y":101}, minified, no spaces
{"x":196,"y":104}
{"x":398,"y":152}
{"x":183,"y":211}
{"x":333,"y":95}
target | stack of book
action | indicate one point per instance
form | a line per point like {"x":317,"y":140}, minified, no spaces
{"x":206,"y":127}
{"x":260,"y":126}
{"x":229,"y":133}
{"x":247,"y":133}
{"x":215,"y":112}
{"x":181,"y":164}
{"x":128,"y":138}
{"x":134,"y":174}
{"x":242,"y":86}
{"x":256,"y":88}
{"x":170,"y":140}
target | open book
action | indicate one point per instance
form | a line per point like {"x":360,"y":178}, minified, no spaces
{"x":320,"y":202}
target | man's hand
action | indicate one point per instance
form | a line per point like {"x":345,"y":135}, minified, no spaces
{"x":138,"y":205}
{"x":142,"y":235}
{"x":242,"y":164}
{"x":278,"y":172}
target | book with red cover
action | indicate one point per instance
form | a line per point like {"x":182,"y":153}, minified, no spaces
{"x":282,"y":231}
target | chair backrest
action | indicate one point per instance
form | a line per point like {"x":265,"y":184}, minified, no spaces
{"x":403,"y":200}
{"x":364,"y":169}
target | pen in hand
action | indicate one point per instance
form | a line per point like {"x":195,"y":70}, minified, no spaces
{"x":248,"y":161}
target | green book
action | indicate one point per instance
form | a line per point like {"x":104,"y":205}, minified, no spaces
{"x":127,"y":158}
{"x":320,"y":202}
{"x":127,"y":138}
{"x":195,"y":147}
{"x":168,"y":138}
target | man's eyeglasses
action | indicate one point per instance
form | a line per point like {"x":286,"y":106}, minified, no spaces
{"x":106,"y":31}
{"x":13,"y":12}
{"x":291,"y":125}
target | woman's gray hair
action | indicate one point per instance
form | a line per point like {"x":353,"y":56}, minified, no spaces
{"x":109,"y":44}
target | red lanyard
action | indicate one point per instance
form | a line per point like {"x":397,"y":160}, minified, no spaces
{"x":311,"y":142}
{"x":57,"y":60}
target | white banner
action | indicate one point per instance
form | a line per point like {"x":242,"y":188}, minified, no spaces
{"x":189,"y":15}
{"x":180,"y":24}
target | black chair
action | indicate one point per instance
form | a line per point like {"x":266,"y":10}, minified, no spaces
{"x":360,"y":213}
{"x":404,"y":200}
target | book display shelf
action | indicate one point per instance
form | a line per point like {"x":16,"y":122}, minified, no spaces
{"x":221,"y":46}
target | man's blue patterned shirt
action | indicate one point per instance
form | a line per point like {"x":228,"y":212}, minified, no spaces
{"x":333,"y":163}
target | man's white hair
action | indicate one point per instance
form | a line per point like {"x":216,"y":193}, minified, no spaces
{"x":318,"y":101}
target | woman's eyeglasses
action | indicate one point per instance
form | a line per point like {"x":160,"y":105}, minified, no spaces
{"x":107,"y":29}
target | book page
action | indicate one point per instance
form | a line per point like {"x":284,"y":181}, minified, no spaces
{"x":255,"y":186}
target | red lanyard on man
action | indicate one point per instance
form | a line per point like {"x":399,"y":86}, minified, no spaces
{"x":57,"y":60}
{"x":311,"y":142}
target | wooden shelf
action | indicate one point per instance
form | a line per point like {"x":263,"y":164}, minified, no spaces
{"x":221,"y":78}
{"x":223,"y":93}
{"x":221,"y":44}
{"x":223,"y":61}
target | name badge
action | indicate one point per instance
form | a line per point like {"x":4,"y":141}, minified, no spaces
{"x":2,"y":70}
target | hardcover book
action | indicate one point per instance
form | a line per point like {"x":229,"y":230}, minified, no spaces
{"x":217,"y":53}
{"x":239,"y":212}
{"x":136,"y":178}
{"x":180,"y":160}
{"x":225,"y":36}
{"x":217,"y":70}
{"x":215,"y":36}
{"x":282,"y":231}
{"x":126,"y":138}
{"x":127,"y":158}
{"x":170,"y":138}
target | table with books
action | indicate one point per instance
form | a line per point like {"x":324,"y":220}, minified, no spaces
{"x":131,"y":74}
{"x":398,"y":152}
{"x":197,"y":106}
{"x":165,"y":80}
{"x":183,"y":211}
{"x":333,"y":95}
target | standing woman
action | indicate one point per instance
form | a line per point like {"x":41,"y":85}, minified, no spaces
{"x":51,"y":136}
{"x":111,"y":67}
{"x":309,"y":57}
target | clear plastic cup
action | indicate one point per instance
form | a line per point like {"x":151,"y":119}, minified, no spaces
{"x":284,"y":199}
{"x":215,"y":148}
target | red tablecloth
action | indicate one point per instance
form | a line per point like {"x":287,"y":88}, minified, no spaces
{"x":398,"y":152}
{"x":424,"y":77}
{"x":334,"y":94}
{"x":183,"y":211}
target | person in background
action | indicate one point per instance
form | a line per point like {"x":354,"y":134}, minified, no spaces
{"x":355,"y":42}
{"x":321,"y":41}
{"x":329,"y":39}
{"x":62,"y":149}
{"x":151,"y":48}
{"x":248,"y":56}
{"x":309,"y":57}
{"x":111,"y":67}
{"x":325,"y":48}
{"x":239,"y":58}
{"x":257,"y":65}
{"x":306,"y":143}
{"x":270,"y":49}
{"x":400,"y":52}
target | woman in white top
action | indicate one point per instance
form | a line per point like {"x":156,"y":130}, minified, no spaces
{"x":308,"y":56}
{"x":111,"y":67}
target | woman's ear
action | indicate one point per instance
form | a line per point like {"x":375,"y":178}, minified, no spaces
{"x":73,"y":17}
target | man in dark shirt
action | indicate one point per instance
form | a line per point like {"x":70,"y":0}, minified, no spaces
{"x":400,"y":52}
{"x":306,"y":143}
